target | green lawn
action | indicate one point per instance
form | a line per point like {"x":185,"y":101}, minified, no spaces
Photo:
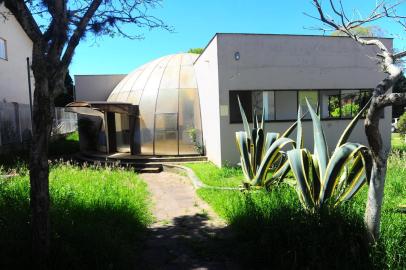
{"x":211,"y":175}
{"x":97,"y":216}
{"x":272,"y":231}
{"x":398,"y":142}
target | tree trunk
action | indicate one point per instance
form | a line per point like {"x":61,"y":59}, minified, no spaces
{"x":39,"y":168}
{"x":378,"y":174}
{"x":375,"y":198}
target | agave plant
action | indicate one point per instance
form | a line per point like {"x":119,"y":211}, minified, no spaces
{"x":322,"y":179}
{"x":262,"y":160}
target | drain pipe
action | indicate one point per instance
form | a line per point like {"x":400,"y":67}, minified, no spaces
{"x":29,"y":86}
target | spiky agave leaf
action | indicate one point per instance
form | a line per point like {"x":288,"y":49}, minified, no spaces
{"x":268,"y":159}
{"x":301,"y":165}
{"x":339,"y":159}
{"x":243,"y":146}
{"x":244,"y":119}
{"x":320,"y":144}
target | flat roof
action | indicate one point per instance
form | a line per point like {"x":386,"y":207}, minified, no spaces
{"x":286,"y":35}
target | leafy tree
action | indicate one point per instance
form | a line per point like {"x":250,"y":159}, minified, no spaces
{"x":196,"y":50}
{"x":67,"y":94}
{"x":340,"y":21}
{"x":399,"y":87}
{"x":56,"y":29}
{"x":401,"y":125}
{"x":362,"y":31}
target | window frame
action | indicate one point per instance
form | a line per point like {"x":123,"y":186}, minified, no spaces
{"x":5,"y":50}
{"x":360,"y":90}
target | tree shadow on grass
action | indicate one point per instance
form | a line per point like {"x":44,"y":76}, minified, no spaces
{"x":293,"y":239}
{"x":82,"y":238}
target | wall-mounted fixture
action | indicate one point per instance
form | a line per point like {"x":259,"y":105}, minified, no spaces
{"x":237,"y":56}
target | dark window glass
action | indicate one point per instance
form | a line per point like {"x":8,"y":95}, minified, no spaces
{"x":330,"y":103}
{"x":246,"y":101}
{"x":349,"y":103}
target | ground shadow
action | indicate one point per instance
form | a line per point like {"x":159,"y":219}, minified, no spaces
{"x":82,"y":238}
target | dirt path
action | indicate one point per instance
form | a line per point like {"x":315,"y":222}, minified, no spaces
{"x":187,"y":233}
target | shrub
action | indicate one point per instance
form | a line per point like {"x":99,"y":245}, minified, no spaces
{"x":335,"y":179}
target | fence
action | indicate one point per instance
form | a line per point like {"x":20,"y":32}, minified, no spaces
{"x":15,"y":123}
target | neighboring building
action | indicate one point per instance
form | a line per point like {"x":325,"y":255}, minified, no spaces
{"x":15,"y":47}
{"x":274,"y":71}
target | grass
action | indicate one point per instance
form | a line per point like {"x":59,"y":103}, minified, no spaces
{"x":61,"y":147}
{"x":272,"y":230}
{"x":98,"y":216}
{"x":398,"y":142}
{"x":211,"y":175}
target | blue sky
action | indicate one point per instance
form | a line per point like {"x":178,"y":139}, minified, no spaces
{"x":195,"y":23}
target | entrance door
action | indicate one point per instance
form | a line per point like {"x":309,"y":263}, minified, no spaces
{"x":122,"y":124}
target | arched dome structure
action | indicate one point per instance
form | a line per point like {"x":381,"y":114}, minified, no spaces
{"x":166,"y":92}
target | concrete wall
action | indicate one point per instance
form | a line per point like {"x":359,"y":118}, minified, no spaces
{"x":95,"y":87}
{"x":283,"y":62}
{"x":206,"y":67}
{"x":13,"y":71}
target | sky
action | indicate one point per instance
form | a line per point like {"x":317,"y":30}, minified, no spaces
{"x":196,"y":22}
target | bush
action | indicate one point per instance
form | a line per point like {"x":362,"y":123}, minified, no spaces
{"x":401,"y":125}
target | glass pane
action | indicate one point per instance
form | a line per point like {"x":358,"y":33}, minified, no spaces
{"x":364,"y":97}
{"x":170,"y":78}
{"x":122,"y":132}
{"x":167,"y":101}
{"x":147,"y":108}
{"x":349,"y":103}
{"x":312,"y":97}
{"x":187,"y":77}
{"x":330,"y":104}
{"x":285,"y":105}
{"x":269,"y":104}
{"x":257,"y":102}
{"x":166,"y":143}
{"x":167,"y":121}
{"x":246,"y":101}
{"x":190,"y":131}
{"x":2,"y":49}
{"x":166,"y":134}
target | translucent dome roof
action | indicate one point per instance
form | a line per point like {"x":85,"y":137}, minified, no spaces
{"x":167,"y":94}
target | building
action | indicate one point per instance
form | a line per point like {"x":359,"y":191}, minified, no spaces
{"x":273,"y":71}
{"x":15,"y":47}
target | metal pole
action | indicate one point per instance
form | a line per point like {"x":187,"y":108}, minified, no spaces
{"x":29,"y":85}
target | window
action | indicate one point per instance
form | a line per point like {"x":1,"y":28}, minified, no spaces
{"x":330,"y":104}
{"x":286,"y":105}
{"x":349,"y":103}
{"x":343,"y":103}
{"x":3,"y":49}
{"x":246,"y":101}
{"x":264,"y":101}
{"x":312,"y":97}
{"x":282,"y":105}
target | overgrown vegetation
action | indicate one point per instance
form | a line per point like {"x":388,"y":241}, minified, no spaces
{"x":273,"y":231}
{"x":97,"y":217}
{"x":328,"y":180}
{"x":262,"y":158}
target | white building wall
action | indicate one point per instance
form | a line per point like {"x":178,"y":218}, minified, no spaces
{"x":206,"y":68}
{"x":95,"y":87}
{"x":13,"y":70}
{"x":285,"y":62}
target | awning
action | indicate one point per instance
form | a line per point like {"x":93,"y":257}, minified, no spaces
{"x":98,"y":108}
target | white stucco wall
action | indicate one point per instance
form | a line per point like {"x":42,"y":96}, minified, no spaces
{"x":95,"y":87}
{"x":206,"y":67}
{"x":13,"y":70}
{"x":286,"y":62}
